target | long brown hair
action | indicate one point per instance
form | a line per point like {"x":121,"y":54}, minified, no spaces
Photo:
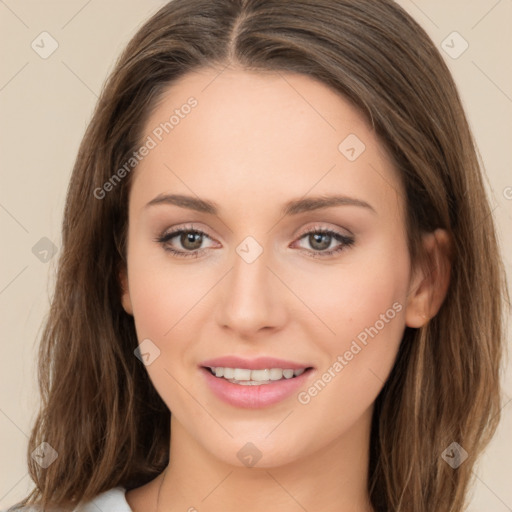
{"x":99,"y":410}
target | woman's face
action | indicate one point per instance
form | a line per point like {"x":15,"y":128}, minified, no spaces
{"x":287,"y":218}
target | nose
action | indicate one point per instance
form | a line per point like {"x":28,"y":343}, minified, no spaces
{"x":252,"y":299}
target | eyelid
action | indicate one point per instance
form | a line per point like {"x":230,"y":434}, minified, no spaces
{"x":324,"y":228}
{"x":175,"y":230}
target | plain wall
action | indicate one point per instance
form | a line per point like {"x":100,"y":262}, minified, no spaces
{"x":45,"y":106}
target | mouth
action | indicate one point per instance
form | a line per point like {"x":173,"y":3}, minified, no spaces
{"x":255,"y":388}
{"x":252,"y":383}
{"x":259,"y":377}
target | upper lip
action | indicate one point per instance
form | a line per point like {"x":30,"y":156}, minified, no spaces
{"x":258,"y":363}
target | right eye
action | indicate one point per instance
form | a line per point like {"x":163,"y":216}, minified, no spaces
{"x":184,"y":243}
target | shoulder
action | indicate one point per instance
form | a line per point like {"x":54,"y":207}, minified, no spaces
{"x":113,"y":500}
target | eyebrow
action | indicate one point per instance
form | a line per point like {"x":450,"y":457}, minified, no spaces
{"x":293,"y":207}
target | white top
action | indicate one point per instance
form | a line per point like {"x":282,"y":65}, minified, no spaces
{"x":113,"y":500}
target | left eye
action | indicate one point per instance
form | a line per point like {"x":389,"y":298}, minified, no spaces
{"x":325,"y":242}
{"x":189,"y":242}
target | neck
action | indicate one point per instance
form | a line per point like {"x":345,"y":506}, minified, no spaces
{"x":333,"y":479}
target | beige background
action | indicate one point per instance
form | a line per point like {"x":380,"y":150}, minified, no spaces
{"x":45,"y":105}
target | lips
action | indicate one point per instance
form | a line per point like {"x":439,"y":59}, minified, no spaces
{"x":264,"y":394}
{"x":255,"y":397}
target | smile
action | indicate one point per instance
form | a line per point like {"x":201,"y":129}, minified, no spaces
{"x":254,"y":389}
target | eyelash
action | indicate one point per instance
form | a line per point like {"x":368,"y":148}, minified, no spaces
{"x":345,"y":242}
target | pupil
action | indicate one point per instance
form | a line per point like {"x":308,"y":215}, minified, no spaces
{"x":191,"y":241}
{"x":320,"y":241}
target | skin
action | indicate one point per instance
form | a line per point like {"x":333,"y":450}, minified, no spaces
{"x":254,"y":142}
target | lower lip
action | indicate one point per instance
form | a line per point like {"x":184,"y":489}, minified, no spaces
{"x":254,"y":397}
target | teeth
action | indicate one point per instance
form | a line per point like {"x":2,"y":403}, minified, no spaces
{"x":276,"y":374}
{"x":229,"y":373}
{"x":254,"y":377}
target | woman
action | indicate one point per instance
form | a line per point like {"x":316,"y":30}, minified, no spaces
{"x":280,"y":286}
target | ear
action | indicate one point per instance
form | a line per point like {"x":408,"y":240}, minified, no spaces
{"x":429,"y":284}
{"x":125,"y":291}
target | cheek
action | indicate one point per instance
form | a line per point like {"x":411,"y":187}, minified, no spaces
{"x":165,"y":297}
{"x":357,"y":362}
{"x":352,"y":296}
{"x":163,"y":292}
{"x":363,"y":304}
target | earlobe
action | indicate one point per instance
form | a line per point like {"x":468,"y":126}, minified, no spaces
{"x":125,"y":292}
{"x":430,"y":285}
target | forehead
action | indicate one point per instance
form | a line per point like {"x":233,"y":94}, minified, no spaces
{"x":272,"y":133}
